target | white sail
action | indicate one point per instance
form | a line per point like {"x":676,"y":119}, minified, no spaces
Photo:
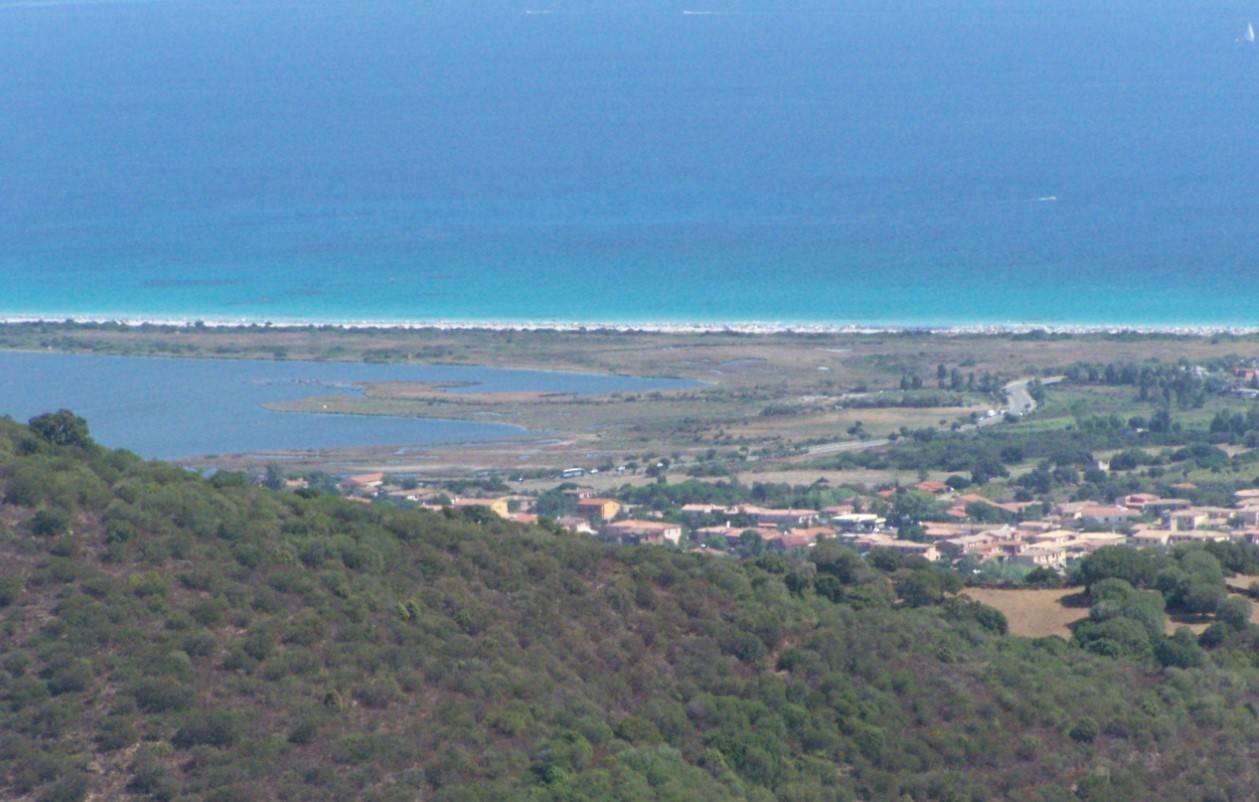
{"x":1250,"y":32}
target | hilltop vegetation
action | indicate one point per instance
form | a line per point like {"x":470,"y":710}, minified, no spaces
{"x":170,"y":637}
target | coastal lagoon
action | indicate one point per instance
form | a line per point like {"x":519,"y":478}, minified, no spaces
{"x":833,"y":161}
{"x":169,"y":407}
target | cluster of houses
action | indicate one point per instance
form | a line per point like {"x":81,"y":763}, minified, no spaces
{"x":1072,"y":530}
{"x":1042,"y":538}
{"x":1045,"y":538}
{"x":368,"y":486}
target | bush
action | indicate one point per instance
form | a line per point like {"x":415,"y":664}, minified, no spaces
{"x":10,"y":590}
{"x":50,"y":522}
{"x":304,"y":731}
{"x":150,"y":776}
{"x":1181,"y":650}
{"x":161,"y":695}
{"x":1234,"y":611}
{"x":73,"y":676}
{"x":115,"y":732}
{"x":1202,"y":597}
{"x":219,"y":728}
{"x":74,"y":786}
{"x":62,"y":428}
{"x":1085,"y":730}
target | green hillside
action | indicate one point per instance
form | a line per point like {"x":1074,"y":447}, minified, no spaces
{"x":173,"y":638}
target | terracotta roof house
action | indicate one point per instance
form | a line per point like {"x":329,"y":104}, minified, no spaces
{"x":645,"y":532}
{"x":927,"y":551}
{"x":597,"y":509}
{"x":730,"y":533}
{"x":780,"y":517}
{"x":799,"y":538}
{"x":498,"y":506}
{"x":364,"y":480}
{"x":1136,"y":501}
{"x":967,"y":544}
{"x":1145,"y":538}
{"x":1199,"y":518}
{"x":1042,"y":557}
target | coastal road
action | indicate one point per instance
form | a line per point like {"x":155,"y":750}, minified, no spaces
{"x":1018,"y":402}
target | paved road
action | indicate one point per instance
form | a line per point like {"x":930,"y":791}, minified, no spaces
{"x":1018,"y":401}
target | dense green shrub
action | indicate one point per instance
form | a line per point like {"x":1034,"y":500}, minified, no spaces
{"x":212,"y":640}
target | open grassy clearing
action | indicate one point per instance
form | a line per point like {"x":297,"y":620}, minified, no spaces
{"x":1042,"y":612}
{"x":1036,"y":613}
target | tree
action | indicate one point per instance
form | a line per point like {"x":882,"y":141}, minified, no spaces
{"x":274,"y":478}
{"x":910,"y":507}
{"x":984,"y":512}
{"x":1161,"y":422}
{"x":750,"y":543}
{"x":1234,"y":611}
{"x":1181,"y":650}
{"x":838,"y":561}
{"x":921,"y":587}
{"x":1043,"y":577}
{"x":1132,"y":565}
{"x":1129,"y":459}
{"x":1085,"y":730}
{"x":1117,"y":637}
{"x":50,"y":522}
{"x":1202,"y":597}
{"x":62,"y":428}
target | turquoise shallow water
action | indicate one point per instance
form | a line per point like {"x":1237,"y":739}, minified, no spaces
{"x":839,"y":162}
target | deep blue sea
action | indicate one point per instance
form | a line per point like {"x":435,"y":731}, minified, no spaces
{"x":834,"y":161}
{"x":167,"y":407}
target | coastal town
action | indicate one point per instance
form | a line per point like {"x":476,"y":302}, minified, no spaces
{"x":604,"y":401}
{"x":1083,"y":509}
{"x":1004,"y":516}
{"x":973,"y":530}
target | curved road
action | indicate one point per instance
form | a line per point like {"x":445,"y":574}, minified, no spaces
{"x":1018,"y":401}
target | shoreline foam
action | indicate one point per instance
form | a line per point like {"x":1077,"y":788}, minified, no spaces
{"x":635,"y":327}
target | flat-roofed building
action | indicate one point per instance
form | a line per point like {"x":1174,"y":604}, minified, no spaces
{"x":780,"y":517}
{"x":1107,"y":515}
{"x":858,"y":522}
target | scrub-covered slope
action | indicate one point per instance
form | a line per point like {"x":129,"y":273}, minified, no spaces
{"x":169,"y":637}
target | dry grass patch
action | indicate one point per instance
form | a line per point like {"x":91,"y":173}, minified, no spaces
{"x":1040,"y":612}
{"x":1034,"y":612}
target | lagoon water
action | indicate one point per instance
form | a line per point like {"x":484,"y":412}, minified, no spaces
{"x":169,"y":407}
{"x":838,"y":161}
